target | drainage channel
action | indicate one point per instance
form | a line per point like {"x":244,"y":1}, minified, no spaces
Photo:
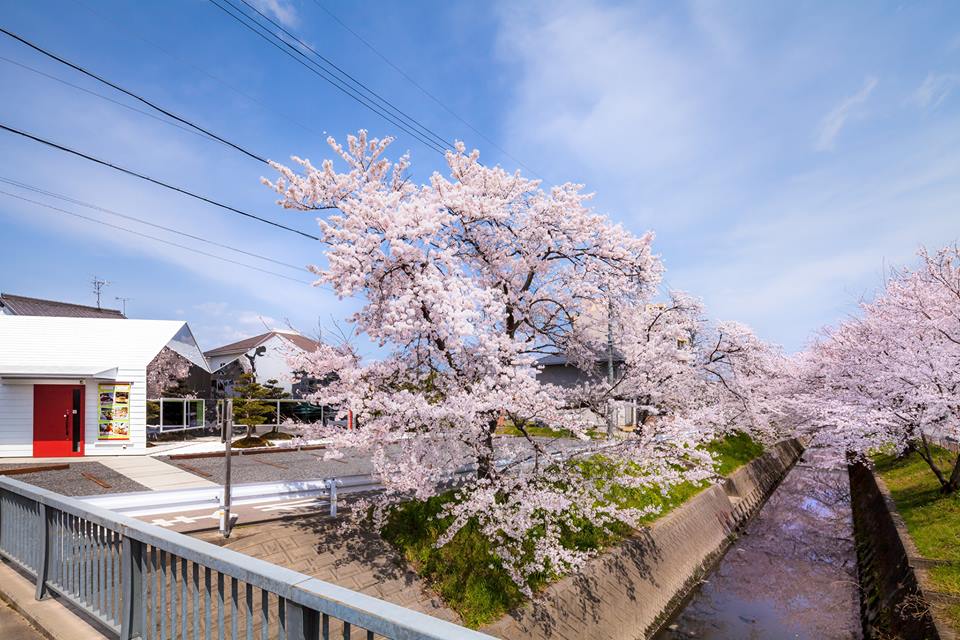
{"x":791,"y":574}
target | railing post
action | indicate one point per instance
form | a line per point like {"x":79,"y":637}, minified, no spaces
{"x":332,"y":493}
{"x":302,"y":623}
{"x":131,"y":583}
{"x":46,"y":515}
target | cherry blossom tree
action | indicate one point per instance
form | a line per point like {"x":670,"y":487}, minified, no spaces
{"x":752,"y":382}
{"x":465,"y":281}
{"x":166,"y":372}
{"x":891,"y":376}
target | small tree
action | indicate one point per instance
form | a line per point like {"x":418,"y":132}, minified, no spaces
{"x":250,"y":407}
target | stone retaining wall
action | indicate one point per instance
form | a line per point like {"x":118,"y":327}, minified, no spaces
{"x":627,"y":592}
{"x":892,"y":582}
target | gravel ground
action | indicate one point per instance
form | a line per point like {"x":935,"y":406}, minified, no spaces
{"x":292,"y":465}
{"x":73,"y":482}
{"x":273,"y":467}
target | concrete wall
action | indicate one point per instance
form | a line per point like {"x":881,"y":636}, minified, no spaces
{"x":890,"y":569}
{"x":626,"y":592}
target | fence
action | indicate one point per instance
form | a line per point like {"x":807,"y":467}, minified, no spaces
{"x":176,"y":414}
{"x":182,"y":414}
{"x":141,"y":581}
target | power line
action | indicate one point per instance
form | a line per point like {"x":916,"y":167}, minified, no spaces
{"x":107,"y":98}
{"x":154,"y":238}
{"x":422,"y":89}
{"x":343,"y":73}
{"x":272,"y":39}
{"x":125,"y":30}
{"x":286,"y":48}
{"x":59,"y":196}
{"x":156,"y":181}
{"x":150,"y":104}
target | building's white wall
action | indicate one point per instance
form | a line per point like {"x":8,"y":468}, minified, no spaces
{"x":273,"y":365}
{"x":16,"y":419}
{"x":216,"y":362}
{"x":137,"y":444}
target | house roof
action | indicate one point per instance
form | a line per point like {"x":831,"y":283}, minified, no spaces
{"x":556,"y":359}
{"x":85,"y":347}
{"x":242,"y":346}
{"x":24,"y":306}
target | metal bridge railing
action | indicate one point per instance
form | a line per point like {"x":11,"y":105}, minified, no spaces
{"x":142,"y":581}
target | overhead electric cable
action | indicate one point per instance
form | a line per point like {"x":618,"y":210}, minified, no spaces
{"x":150,"y":104}
{"x":420,"y":87}
{"x":125,"y":29}
{"x":108,"y":99}
{"x":60,"y":196}
{"x":343,"y":73}
{"x":156,"y":181}
{"x":156,"y":239}
{"x":272,"y":39}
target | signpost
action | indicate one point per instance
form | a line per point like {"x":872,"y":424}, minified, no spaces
{"x":225,"y":523}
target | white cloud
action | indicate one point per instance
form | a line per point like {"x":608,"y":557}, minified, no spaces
{"x":212,"y":308}
{"x":685,"y":121}
{"x":935,"y":89}
{"x":833,"y":122}
{"x":257,"y":321}
{"x":283,"y":11}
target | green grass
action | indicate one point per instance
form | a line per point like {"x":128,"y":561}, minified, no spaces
{"x":508,"y":429}
{"x":932,"y":518}
{"x":467,"y":575}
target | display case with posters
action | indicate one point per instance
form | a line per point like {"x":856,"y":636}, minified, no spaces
{"x":113,"y":411}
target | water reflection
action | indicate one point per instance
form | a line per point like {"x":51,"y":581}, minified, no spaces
{"x":792,"y":574}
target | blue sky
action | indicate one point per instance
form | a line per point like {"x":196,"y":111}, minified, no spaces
{"x":783,"y":152}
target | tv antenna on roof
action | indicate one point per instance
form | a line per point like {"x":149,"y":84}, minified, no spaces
{"x":98,"y":286}
{"x":123,"y":302}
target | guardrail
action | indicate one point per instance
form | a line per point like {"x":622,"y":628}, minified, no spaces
{"x":944,"y":442}
{"x":148,"y":503}
{"x":141,"y":581}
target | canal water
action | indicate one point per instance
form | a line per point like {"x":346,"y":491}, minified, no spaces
{"x":793,"y":572}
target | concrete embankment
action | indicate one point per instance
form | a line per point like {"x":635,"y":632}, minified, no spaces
{"x":791,"y":574}
{"x":892,"y":574}
{"x":628,"y":591}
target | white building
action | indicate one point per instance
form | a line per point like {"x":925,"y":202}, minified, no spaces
{"x":266,"y":356}
{"x":78,"y":386}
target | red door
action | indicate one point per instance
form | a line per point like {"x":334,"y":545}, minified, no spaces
{"x":57,"y":420}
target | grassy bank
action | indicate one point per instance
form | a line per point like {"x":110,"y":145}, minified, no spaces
{"x":933,"y":519}
{"x":467,"y":575}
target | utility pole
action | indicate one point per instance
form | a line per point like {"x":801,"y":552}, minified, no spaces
{"x":225,"y":522}
{"x":610,"y":373}
{"x":123,"y":301}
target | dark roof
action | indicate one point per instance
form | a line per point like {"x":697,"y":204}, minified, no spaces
{"x":559,"y":360}
{"x":242,"y":346}
{"x":23,"y":306}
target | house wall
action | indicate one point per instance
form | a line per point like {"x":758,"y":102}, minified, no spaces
{"x":16,"y":416}
{"x":271,"y":365}
{"x":16,"y":419}
{"x":137,"y":444}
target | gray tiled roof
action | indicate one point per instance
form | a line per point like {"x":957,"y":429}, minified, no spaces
{"x":24,"y":306}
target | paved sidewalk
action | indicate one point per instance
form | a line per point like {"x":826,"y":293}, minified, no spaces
{"x":13,"y":626}
{"x":340,"y":553}
{"x":55,"y":619}
{"x":154,"y":474}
